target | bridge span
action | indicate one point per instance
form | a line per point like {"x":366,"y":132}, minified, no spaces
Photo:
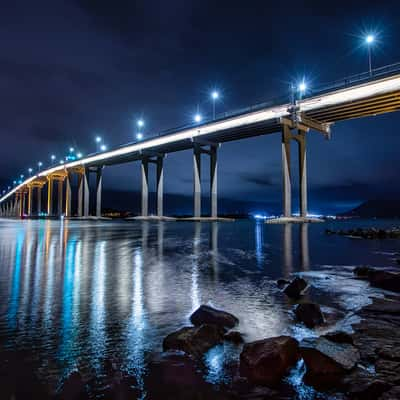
{"x":358,"y":96}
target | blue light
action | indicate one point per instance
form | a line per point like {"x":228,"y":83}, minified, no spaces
{"x":215,"y":95}
{"x":370,"y":39}
{"x":197,"y":118}
{"x":139,"y":136}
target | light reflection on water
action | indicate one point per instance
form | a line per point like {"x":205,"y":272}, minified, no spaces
{"x":82,"y":292}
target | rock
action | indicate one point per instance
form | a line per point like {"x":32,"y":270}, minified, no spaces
{"x":339,"y":337}
{"x":208,"y":315}
{"x":234,"y":337}
{"x":194,"y":340}
{"x":73,"y":388}
{"x":282,"y":283}
{"x":392,"y":394}
{"x":266,"y":362}
{"x":327,"y":361}
{"x":385,"y":280}
{"x":123,"y":389}
{"x":295,"y":288}
{"x":362,"y":271}
{"x":175,"y":376}
{"x":310,"y":314}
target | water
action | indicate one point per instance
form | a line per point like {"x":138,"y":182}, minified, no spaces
{"x":81,"y":292}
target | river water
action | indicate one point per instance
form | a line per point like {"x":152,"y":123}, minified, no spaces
{"x":80,"y":292}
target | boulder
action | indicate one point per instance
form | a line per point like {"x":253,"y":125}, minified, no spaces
{"x":234,"y":337}
{"x":310,"y":314}
{"x":282,"y":283}
{"x":209,"y":315}
{"x":73,"y":388}
{"x":267,"y":361}
{"x":362,"y":271}
{"x":327,"y":361}
{"x":339,"y":337}
{"x":385,"y":280}
{"x":295,"y":288}
{"x":194,"y":340}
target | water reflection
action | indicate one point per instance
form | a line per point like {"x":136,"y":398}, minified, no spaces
{"x":79,"y":292}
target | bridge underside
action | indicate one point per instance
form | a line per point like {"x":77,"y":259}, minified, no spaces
{"x":371,"y":106}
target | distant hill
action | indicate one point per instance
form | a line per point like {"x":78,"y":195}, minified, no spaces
{"x":375,"y":208}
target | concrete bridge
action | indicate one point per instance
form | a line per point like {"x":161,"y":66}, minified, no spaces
{"x":363,"y":95}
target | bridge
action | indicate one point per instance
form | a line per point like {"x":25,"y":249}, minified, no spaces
{"x":363,"y":95}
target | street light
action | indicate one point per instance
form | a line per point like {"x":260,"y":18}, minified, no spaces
{"x":39,"y":164}
{"x":369,"y":40}
{"x":71,"y":149}
{"x":30,"y":170}
{"x":103,"y":147}
{"x":79,"y":155}
{"x":140,"y":123}
{"x":139,"y":136}
{"x":53,"y":157}
{"x":214,"y":97}
{"x":197,"y":118}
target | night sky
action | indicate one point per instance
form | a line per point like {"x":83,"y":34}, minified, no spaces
{"x":71,"y":70}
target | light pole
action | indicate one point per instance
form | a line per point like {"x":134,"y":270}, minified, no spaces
{"x":369,"y":40}
{"x":39,"y":165}
{"x":30,"y":170}
{"x":214,"y":97}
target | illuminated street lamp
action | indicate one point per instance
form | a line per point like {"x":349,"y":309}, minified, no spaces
{"x":197,"y":118}
{"x":214,"y":98}
{"x":79,"y":155}
{"x":53,"y":157}
{"x":30,"y":170}
{"x":103,"y":147}
{"x":369,"y":40}
{"x":98,"y":140}
{"x":40,"y":165}
{"x":140,"y":123}
{"x":139,"y":136}
{"x":71,"y":149}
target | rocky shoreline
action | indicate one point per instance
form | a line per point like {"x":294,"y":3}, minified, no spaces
{"x":367,"y":233}
{"x":362,"y":365}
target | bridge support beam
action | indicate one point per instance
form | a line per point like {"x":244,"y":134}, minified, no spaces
{"x":49,"y":196}
{"x":198,"y":150}
{"x":287,"y":179}
{"x":160,"y":186}
{"x":99,"y":183}
{"x":68,"y":195}
{"x":60,"y":187}
{"x":301,"y":139}
{"x":158,"y":160}
{"x":145,"y":187}
{"x":86,"y":193}
{"x":80,"y":195}
{"x":30,"y":193}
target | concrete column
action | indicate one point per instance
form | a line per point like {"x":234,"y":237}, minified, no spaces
{"x":160,"y":185}
{"x":213,"y":182}
{"x":21,"y":204}
{"x":15,"y":206}
{"x":303,"y":174}
{"x":197,"y":181}
{"x":99,"y":182}
{"x":30,"y":201}
{"x":145,"y":188}
{"x":60,"y":185}
{"x":80,"y":195}
{"x":86,"y":193}
{"x":39,"y":200}
{"x":50,"y":197}
{"x":68,"y":194}
{"x":287,"y":185}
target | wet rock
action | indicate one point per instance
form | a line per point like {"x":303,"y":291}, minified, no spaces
{"x":282,"y":283}
{"x":209,"y":315}
{"x":234,"y":337}
{"x":385,"y":280}
{"x":363,"y":385}
{"x":326,"y":361}
{"x":339,"y":337}
{"x":295,"y":288}
{"x":73,"y":388}
{"x":194,"y":340}
{"x":392,"y":394}
{"x":176,"y":376}
{"x":368,"y":233}
{"x":266,"y":362}
{"x":310,"y":314}
{"x":362,"y":271}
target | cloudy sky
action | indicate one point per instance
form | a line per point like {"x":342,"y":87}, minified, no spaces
{"x":71,"y":70}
